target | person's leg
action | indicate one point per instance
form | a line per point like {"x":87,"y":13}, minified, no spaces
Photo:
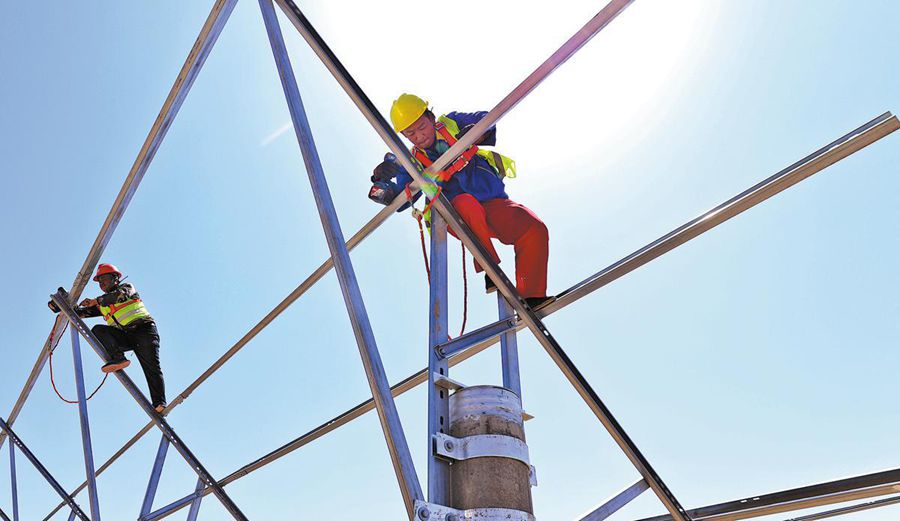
{"x":113,"y":340}
{"x":472,"y":212}
{"x":513,"y":223}
{"x":145,"y":340}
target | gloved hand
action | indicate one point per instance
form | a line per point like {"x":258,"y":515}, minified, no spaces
{"x":385,"y":171}
{"x":53,"y":307}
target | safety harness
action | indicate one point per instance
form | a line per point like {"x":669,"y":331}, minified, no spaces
{"x":458,"y":164}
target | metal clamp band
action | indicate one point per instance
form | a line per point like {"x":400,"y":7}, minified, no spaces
{"x":481,"y":446}
{"x":431,"y":512}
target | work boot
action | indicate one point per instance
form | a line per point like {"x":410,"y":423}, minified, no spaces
{"x":115,"y":365}
{"x":489,"y":286}
{"x":536,"y":303}
{"x":160,"y":408}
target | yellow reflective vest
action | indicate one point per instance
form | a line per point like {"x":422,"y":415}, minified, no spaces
{"x":124,"y":313}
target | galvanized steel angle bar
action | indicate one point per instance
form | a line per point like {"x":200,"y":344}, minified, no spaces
{"x":615,"y":503}
{"x":155,"y":474}
{"x":213,"y":26}
{"x":438,"y":420}
{"x":13,"y":482}
{"x":442,"y":205}
{"x":42,"y":470}
{"x":61,"y":300}
{"x":365,"y":338}
{"x":85,"y":427}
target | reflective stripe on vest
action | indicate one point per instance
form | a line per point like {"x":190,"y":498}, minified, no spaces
{"x":125,"y":313}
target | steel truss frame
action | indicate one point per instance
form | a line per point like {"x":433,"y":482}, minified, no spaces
{"x":514,"y":314}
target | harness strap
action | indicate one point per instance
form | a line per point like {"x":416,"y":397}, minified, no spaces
{"x":458,"y":164}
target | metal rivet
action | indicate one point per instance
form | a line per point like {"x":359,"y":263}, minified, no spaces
{"x":424,"y":513}
{"x":448,"y":445}
{"x":452,"y":517}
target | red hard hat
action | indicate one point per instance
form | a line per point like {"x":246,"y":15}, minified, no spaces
{"x":105,"y":269}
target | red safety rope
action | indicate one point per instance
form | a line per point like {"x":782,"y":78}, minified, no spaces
{"x":53,"y":381}
{"x":418,"y":217}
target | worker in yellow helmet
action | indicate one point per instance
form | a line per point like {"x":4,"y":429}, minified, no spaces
{"x":474,"y":184}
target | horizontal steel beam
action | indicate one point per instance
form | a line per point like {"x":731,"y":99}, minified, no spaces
{"x":837,"y":491}
{"x":208,"y":35}
{"x":869,"y":505}
{"x":844,"y":146}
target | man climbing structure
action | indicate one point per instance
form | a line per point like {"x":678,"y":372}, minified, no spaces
{"x":130,"y":328}
{"x":474,"y":185}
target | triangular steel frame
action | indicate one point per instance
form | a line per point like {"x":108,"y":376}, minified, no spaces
{"x":514,"y":312}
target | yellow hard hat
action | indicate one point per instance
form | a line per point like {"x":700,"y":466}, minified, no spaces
{"x":406,"y":110}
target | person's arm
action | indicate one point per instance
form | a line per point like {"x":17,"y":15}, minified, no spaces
{"x":467,"y":120}
{"x":86,"y":309}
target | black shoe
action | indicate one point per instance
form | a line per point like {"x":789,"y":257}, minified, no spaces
{"x":536,"y":303}
{"x":489,"y":286}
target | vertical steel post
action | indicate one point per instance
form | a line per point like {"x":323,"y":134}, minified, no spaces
{"x":195,"y":504}
{"x":438,"y":397}
{"x":12,"y":481}
{"x":72,"y":516}
{"x":509,"y":350}
{"x":85,"y":426}
{"x":365,"y":338}
{"x":155,"y":474}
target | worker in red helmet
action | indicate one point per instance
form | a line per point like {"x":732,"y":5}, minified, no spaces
{"x":474,"y":184}
{"x":130,"y":327}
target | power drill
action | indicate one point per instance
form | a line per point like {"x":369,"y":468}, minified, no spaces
{"x":383,"y":190}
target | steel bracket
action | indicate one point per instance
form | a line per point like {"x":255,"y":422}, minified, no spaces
{"x":432,"y":512}
{"x":447,"y":383}
{"x":481,"y":446}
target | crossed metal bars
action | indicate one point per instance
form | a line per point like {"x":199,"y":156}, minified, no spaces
{"x":464,"y":346}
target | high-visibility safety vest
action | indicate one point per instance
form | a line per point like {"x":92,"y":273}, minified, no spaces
{"x":120,"y":315}
{"x":447,"y":129}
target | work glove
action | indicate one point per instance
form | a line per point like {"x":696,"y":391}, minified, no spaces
{"x":53,"y":307}
{"x":385,"y":171}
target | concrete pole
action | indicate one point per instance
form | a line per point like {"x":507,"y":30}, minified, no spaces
{"x":489,"y":482}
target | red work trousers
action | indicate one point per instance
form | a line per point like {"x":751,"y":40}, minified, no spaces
{"x":510,"y":223}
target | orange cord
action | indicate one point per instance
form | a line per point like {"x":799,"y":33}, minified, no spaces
{"x":53,"y":383}
{"x":418,"y":217}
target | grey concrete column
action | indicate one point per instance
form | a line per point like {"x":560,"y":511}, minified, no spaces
{"x":488,"y":482}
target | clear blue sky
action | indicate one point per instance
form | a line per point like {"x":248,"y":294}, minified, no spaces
{"x":759,"y":357}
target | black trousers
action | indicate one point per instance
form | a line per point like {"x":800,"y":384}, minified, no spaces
{"x":143,"y":339}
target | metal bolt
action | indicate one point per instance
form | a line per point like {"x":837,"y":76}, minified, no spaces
{"x":424,"y":513}
{"x":452,"y":517}
{"x":448,"y":445}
